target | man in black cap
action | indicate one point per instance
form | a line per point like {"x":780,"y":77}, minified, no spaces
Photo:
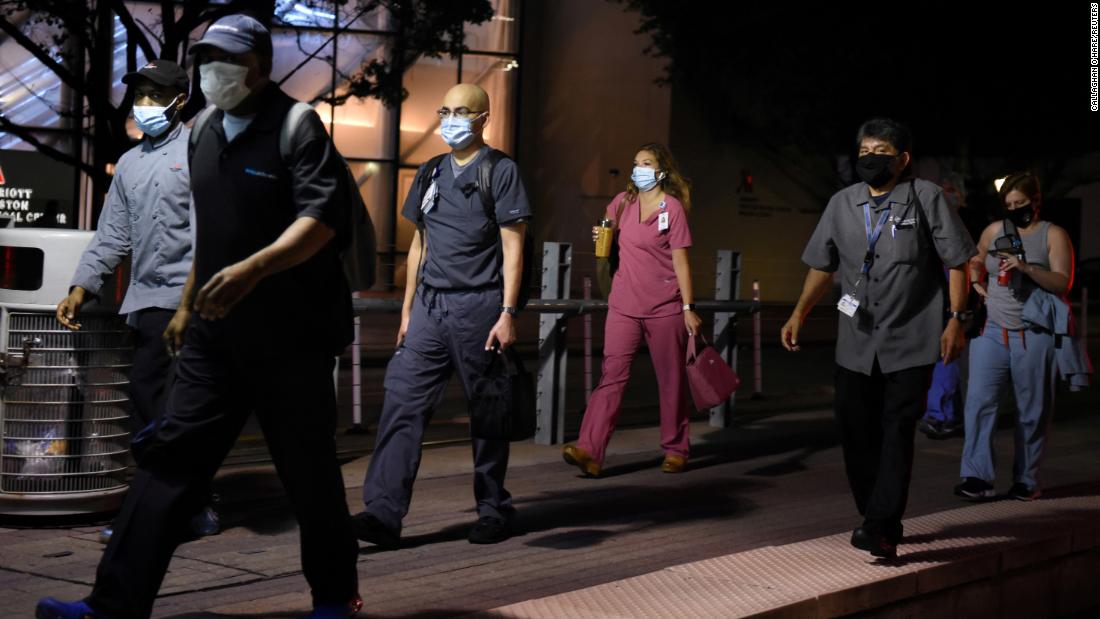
{"x":147,"y":214}
{"x":271,"y":311}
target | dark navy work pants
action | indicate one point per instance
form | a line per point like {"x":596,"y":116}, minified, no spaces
{"x":447,"y":332}
{"x":221,"y":379}
{"x":149,"y":373}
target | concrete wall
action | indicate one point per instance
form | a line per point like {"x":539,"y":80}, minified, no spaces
{"x":588,"y":99}
{"x":768,"y":224}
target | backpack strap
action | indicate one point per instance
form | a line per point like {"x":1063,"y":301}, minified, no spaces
{"x":485,"y":181}
{"x":421,"y":184}
{"x":200,"y":123}
{"x":293,"y":118}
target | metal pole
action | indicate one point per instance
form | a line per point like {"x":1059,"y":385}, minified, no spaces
{"x":357,"y":426}
{"x":727,"y":287}
{"x":587,"y":342}
{"x":557,"y":261}
{"x":757,"y":371}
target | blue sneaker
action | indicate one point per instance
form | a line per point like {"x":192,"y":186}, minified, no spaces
{"x":49,"y":608}
{"x":336,"y":611}
{"x":206,"y":523}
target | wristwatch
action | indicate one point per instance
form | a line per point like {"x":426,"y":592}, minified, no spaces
{"x":689,"y":307}
{"x":962,"y":316}
{"x":507,"y":309}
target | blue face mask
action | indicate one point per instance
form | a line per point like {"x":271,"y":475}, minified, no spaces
{"x":646,"y":179}
{"x":153,"y":120}
{"x":457,"y":132}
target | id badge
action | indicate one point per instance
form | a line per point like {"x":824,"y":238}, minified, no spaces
{"x":662,"y":222}
{"x":429,"y":198}
{"x":848,"y":305}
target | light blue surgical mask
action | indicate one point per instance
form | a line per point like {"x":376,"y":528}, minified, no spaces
{"x":154,"y":120}
{"x":457,"y":132}
{"x":646,"y":179}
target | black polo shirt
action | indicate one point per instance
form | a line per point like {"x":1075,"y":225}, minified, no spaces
{"x":245,"y":198}
{"x":462,"y":239}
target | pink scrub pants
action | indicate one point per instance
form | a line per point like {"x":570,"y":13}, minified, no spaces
{"x":667,"y":341}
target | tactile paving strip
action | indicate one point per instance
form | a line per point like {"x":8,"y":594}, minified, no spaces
{"x":827,"y":577}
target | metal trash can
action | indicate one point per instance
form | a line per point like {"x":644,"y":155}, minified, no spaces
{"x":64,"y":409}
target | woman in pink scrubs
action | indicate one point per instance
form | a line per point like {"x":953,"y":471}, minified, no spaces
{"x":651,"y":299}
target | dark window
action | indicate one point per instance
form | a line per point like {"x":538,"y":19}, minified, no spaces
{"x":21,"y":267}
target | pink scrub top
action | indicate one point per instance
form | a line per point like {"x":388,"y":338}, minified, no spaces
{"x":645,"y":284}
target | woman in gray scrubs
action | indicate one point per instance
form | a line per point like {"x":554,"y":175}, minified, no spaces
{"x":1023,"y":256}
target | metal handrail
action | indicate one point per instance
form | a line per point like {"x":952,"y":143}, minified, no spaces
{"x":575,"y":307}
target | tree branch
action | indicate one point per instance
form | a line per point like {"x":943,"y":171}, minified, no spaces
{"x":133,"y":31}
{"x":28,"y":136}
{"x":36,"y":50}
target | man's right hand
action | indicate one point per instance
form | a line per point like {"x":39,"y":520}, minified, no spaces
{"x":69,"y":308}
{"x":788,"y":335}
{"x":173,"y":333}
{"x":403,"y":329}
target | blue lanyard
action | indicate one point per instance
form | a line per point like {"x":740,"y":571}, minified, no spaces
{"x":872,"y":236}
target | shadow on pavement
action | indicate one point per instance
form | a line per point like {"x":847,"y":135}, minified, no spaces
{"x":626,"y":508}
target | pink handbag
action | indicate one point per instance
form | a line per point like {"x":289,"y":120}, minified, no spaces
{"x":711,"y":380}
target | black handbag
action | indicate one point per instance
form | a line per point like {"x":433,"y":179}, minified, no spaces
{"x":502,"y":405}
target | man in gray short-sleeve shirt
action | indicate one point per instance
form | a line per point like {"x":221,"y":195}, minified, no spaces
{"x":888,"y":239}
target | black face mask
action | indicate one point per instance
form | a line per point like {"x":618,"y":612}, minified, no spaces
{"x":875,"y":169}
{"x":1021,"y":216}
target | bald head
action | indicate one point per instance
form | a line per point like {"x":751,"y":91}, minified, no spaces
{"x":469,"y":96}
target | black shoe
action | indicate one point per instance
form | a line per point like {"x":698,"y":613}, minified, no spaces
{"x":1022,"y":492}
{"x":875,"y":543}
{"x":370,"y":529}
{"x":931,"y":429}
{"x":951,"y":430}
{"x":974,"y":488}
{"x":938,"y":431}
{"x":489,"y":530}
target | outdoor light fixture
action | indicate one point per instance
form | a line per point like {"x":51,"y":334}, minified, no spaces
{"x":998,"y":182}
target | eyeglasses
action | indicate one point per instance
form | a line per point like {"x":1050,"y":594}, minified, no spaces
{"x":461,"y":112}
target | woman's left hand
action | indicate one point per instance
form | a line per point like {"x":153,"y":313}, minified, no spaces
{"x":1014,"y":262}
{"x":693,"y":322}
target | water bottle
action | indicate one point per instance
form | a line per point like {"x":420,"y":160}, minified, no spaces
{"x":604,"y":238}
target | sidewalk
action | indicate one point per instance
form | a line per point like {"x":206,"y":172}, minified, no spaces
{"x":773,"y":480}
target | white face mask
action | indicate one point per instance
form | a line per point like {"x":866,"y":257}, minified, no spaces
{"x":223,"y":84}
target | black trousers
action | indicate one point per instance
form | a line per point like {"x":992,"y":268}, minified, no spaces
{"x":221,"y":379}
{"x":878,"y":416}
{"x":149,"y":374}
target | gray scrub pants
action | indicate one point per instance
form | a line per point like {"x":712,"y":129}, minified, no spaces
{"x":447,"y":332}
{"x":1027,"y":358}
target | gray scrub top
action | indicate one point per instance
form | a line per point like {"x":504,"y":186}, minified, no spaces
{"x":903,"y":298}
{"x":461,"y":239}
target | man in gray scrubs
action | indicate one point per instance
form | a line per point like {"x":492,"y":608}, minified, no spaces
{"x":469,"y":263}
{"x":889,"y":238}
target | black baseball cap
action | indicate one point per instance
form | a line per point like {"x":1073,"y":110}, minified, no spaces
{"x":163,"y":72}
{"x":236,"y":34}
